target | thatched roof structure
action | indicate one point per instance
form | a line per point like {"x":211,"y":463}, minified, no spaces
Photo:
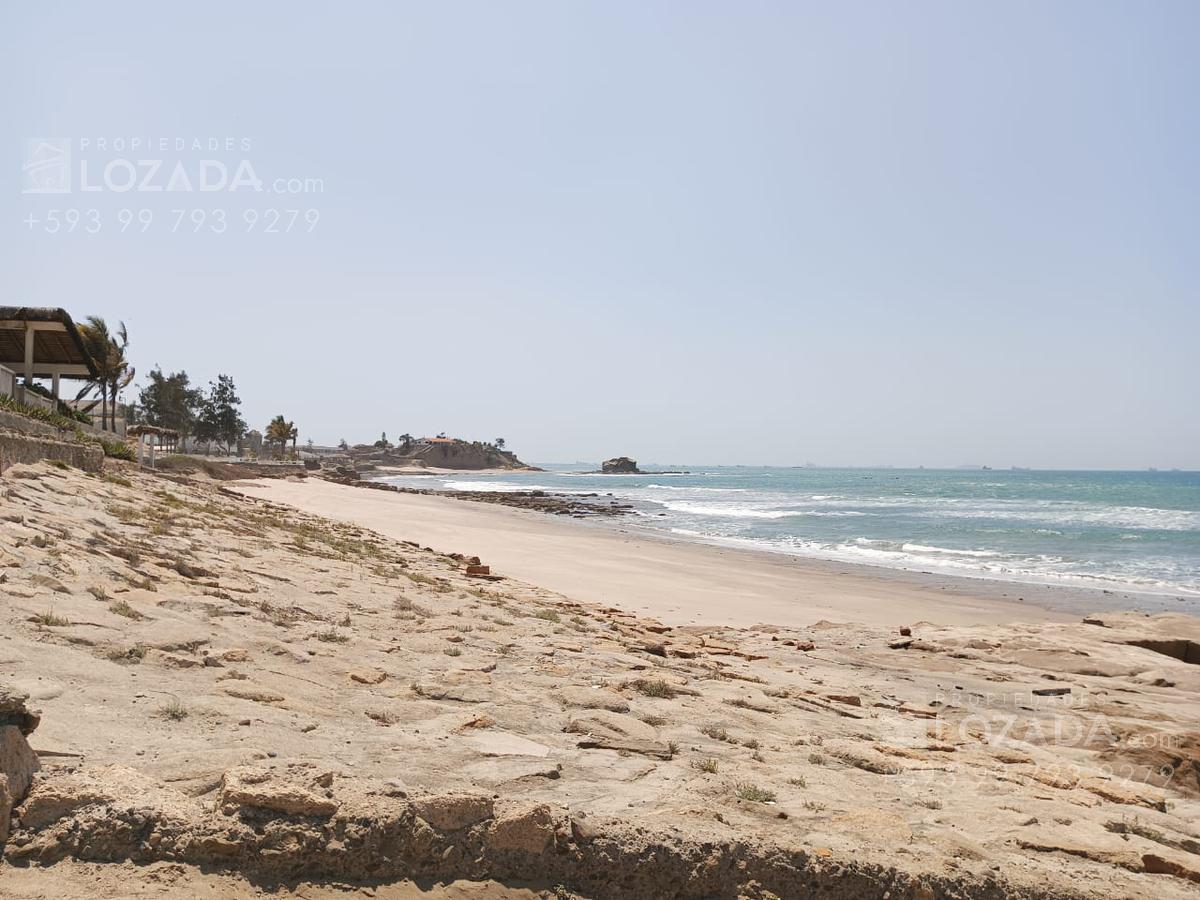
{"x":139,"y":430}
{"x":58,"y":346}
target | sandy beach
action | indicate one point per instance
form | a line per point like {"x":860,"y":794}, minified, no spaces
{"x":679,"y":582}
{"x":207,"y":688}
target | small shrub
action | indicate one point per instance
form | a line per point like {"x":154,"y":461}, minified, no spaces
{"x":754,"y":793}
{"x":116,"y":449}
{"x":798,"y":782}
{"x":122,"y":608}
{"x":547,"y":615}
{"x":656,"y":688}
{"x":716,"y":732}
{"x":50,"y":619}
{"x":174,"y":710}
{"x":707,"y":766}
{"x":817,"y":759}
{"x":331,"y":636}
{"x":98,"y":592}
{"x":452,"y":651}
{"x":656,"y":721}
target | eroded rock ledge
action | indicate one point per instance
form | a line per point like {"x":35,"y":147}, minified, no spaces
{"x":295,"y":820}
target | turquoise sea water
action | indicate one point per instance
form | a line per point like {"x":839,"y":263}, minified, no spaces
{"x":1129,"y":531}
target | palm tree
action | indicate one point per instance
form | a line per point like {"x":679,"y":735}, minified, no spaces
{"x":113,"y":372}
{"x":121,"y":374}
{"x":280,"y":431}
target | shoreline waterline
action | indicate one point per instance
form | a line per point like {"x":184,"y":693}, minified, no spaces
{"x":678,"y":581}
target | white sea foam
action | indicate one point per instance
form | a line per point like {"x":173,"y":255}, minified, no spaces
{"x":732,"y":512}
{"x":502,"y":487}
{"x":1039,"y":569}
{"x":922,"y":548}
{"x":699,"y":490}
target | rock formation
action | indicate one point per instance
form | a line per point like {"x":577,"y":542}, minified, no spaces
{"x":18,"y":762}
{"x":620,"y":465}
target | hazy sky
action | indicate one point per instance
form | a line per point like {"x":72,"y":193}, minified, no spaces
{"x":848,"y":233}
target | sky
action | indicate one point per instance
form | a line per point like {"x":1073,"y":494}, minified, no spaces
{"x":931,"y":233}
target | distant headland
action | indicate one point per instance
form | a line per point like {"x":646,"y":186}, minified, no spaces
{"x":439,"y":452}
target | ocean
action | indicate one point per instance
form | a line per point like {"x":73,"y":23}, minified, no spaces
{"x":1127,"y":531}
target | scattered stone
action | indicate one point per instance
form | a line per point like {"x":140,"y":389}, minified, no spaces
{"x":258,"y":695}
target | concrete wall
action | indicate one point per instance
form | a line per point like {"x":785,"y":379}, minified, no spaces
{"x":28,"y":448}
{"x":11,"y":421}
{"x":31,"y":398}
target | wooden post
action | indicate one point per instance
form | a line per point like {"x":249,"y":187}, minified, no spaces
{"x":29,"y":333}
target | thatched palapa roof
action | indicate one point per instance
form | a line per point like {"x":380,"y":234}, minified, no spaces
{"x":54,"y":346}
{"x":139,"y":430}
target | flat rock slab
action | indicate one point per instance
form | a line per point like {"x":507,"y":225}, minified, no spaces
{"x":594,"y":698}
{"x":501,"y":743}
{"x":461,"y":693}
{"x":502,"y":769}
{"x":601,"y":723}
{"x":627,"y":745}
{"x":264,"y":790}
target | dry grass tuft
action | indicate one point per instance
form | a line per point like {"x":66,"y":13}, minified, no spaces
{"x":754,"y":793}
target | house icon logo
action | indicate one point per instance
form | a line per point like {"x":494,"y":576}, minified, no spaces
{"x":47,"y":168}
